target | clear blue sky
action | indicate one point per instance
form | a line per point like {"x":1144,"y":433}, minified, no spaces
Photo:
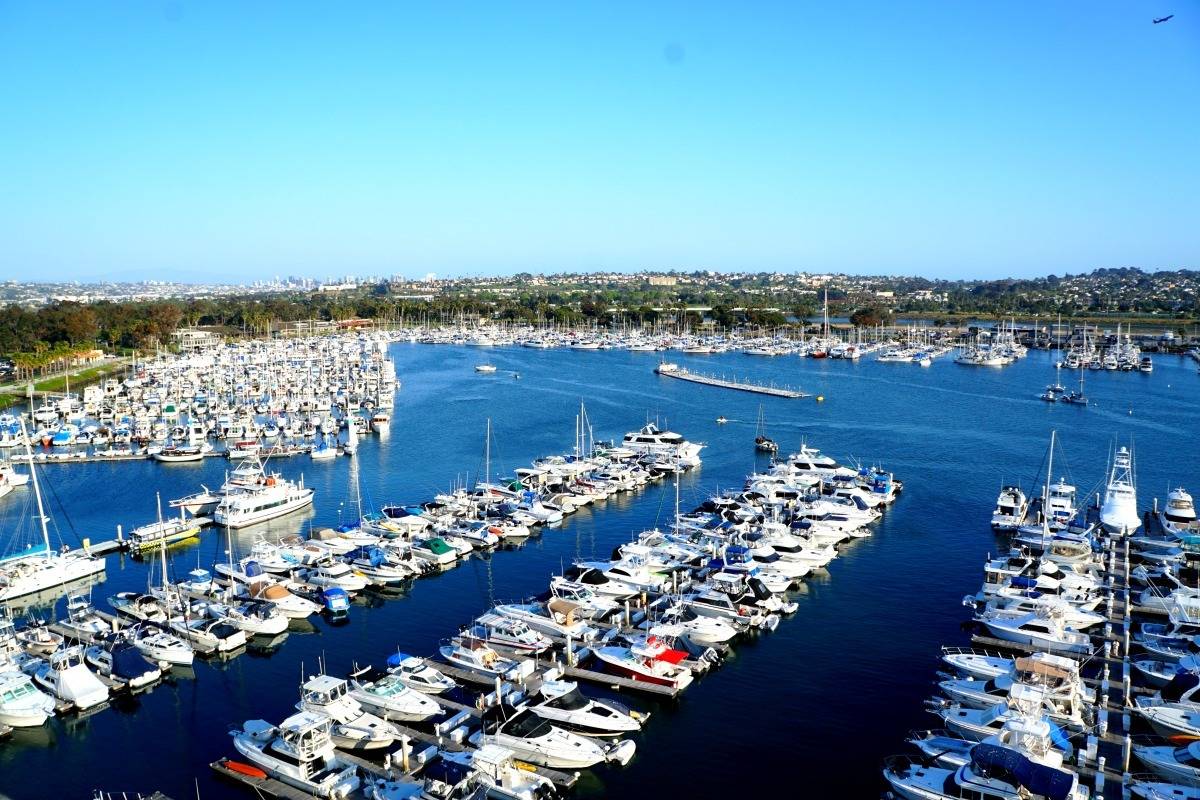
{"x":248,"y":139}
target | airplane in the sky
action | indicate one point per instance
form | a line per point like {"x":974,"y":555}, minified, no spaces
{"x":1163,"y":19}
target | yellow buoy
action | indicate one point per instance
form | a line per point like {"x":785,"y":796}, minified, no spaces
{"x":820,"y":398}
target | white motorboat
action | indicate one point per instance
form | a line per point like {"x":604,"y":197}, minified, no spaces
{"x":291,"y":605}
{"x":509,"y":633}
{"x":353,"y":728}
{"x":1178,"y":764}
{"x":161,"y":646}
{"x":562,"y":703}
{"x":589,"y":604}
{"x":556,"y":619}
{"x":1011,"y":508}
{"x":434,"y":550}
{"x":416,"y":673}
{"x":300,"y":753}
{"x":494,"y":769}
{"x":65,"y":675}
{"x":1178,"y":516}
{"x":537,"y":741}
{"x":388,"y":695}
{"x":697,"y":628}
{"x":649,"y":660}
{"x":22,"y":704}
{"x":83,"y":621}
{"x":653,"y":441}
{"x":1118,"y":512}
{"x":994,"y":772}
{"x":273,"y":497}
{"x":329,"y":574}
{"x":1045,"y":630}
{"x":256,"y":619}
{"x":122,"y":660}
{"x":475,"y":656}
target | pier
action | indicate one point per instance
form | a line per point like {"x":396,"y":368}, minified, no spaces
{"x":683,"y":374}
{"x":1105,"y":753}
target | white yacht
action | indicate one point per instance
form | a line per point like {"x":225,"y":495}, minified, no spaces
{"x":1044,"y":629}
{"x":274,"y":497}
{"x":536,"y":741}
{"x":1179,"y":514}
{"x":475,"y":656}
{"x":556,"y":619}
{"x":65,"y":675}
{"x":353,"y":728}
{"x":993,"y":772}
{"x":1119,"y":512}
{"x":417,"y":674}
{"x":387,"y":695}
{"x":502,"y":778}
{"x":562,"y":703}
{"x":298,"y":752}
{"x":1011,"y":507}
{"x":22,"y":705}
{"x":651,"y":440}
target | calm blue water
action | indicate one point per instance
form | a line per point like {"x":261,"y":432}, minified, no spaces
{"x":825,"y":697}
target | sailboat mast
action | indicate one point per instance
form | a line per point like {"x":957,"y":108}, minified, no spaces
{"x":1046,"y":492}
{"x":37,"y":489}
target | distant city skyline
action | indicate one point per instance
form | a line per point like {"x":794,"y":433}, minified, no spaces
{"x":222,"y":142}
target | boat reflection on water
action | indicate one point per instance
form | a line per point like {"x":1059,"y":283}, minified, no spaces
{"x":266,"y":646}
{"x":41,"y":604}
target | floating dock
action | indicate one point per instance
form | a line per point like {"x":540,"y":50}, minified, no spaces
{"x":683,"y":374}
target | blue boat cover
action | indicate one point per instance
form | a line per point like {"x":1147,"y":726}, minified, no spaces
{"x":1181,"y":683}
{"x":1060,"y":738}
{"x":253,"y":569}
{"x":335,"y":597}
{"x":448,"y":772}
{"x":128,"y":662}
{"x":1021,"y":582}
{"x":1039,"y":779}
{"x":395,"y":658}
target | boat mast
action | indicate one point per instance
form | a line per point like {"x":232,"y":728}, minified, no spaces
{"x":37,"y":489}
{"x":1046,"y":492}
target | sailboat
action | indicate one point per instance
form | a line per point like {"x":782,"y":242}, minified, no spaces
{"x":1118,"y":512}
{"x":1077,"y":398}
{"x":38,"y":568}
{"x":762,"y":442}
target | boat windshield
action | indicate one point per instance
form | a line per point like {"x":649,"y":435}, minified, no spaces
{"x":571,"y":701}
{"x":527,"y":726}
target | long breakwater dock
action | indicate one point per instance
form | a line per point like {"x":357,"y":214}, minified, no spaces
{"x":683,"y":374}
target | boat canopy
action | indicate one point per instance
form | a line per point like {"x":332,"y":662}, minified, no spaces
{"x":31,"y":551}
{"x":396,"y":659}
{"x":128,"y":662}
{"x":1039,"y":779}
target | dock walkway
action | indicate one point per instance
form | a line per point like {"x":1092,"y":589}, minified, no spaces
{"x":683,"y":374}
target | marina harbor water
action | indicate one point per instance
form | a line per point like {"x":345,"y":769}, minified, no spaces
{"x":814,"y":700}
